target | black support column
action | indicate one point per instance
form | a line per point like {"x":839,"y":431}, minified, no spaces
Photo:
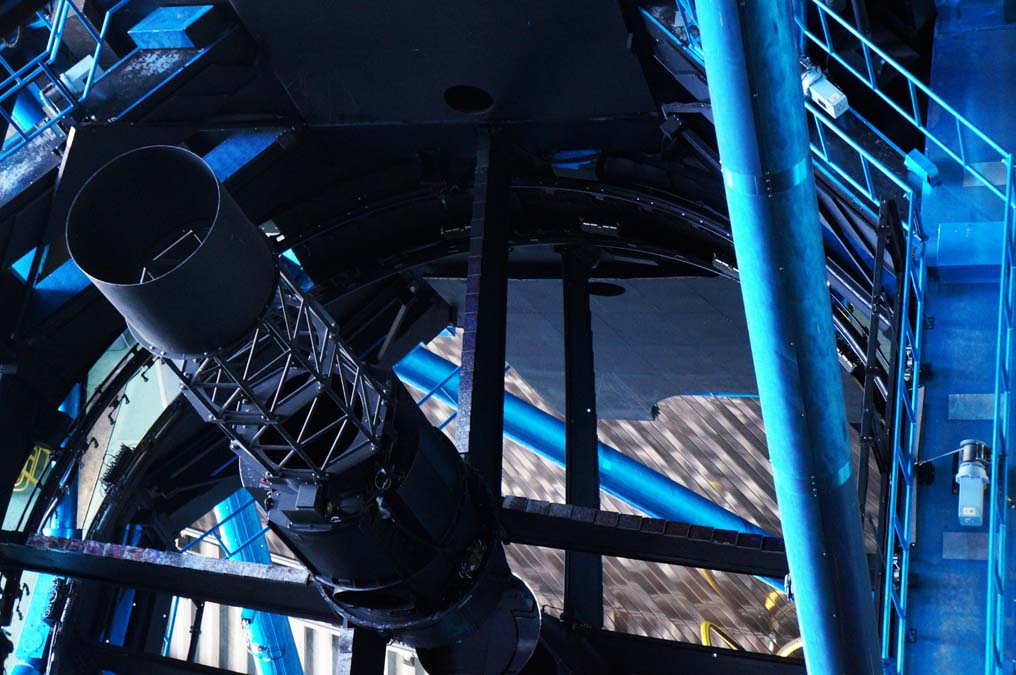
{"x":195,"y":631}
{"x":480,"y":421}
{"x":583,"y":573}
{"x":369,"y":651}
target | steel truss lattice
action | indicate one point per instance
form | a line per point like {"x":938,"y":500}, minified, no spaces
{"x":291,"y":396}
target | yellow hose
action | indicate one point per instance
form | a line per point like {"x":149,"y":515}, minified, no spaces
{"x":775,"y":602}
{"x":711,"y":580}
{"x":794,"y":645}
{"x":706,"y":630}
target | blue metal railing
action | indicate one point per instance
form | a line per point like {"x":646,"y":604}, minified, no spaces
{"x":26,"y":79}
{"x":969,"y":148}
{"x":995,"y":661}
{"x":970,"y":145}
{"x":686,"y":10}
{"x":858,"y":183}
{"x":39,"y":73}
{"x":866,"y":161}
{"x":227,"y":553}
{"x":905,"y":436}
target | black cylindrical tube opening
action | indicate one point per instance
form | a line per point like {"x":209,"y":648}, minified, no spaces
{"x":142,"y":215}
{"x":156,"y":233}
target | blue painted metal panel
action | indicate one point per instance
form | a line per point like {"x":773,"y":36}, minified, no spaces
{"x":173,"y":27}
{"x":28,"y":111}
{"x":753,"y":71}
{"x":916,"y":162}
{"x":23,"y":265}
{"x":270,"y":636}
{"x":967,"y":252}
{"x":232,"y":154}
{"x":56,"y":288}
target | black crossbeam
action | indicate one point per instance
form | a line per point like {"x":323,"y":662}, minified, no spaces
{"x":91,"y":657}
{"x":625,"y":653}
{"x":574,"y":528}
{"x":271,"y":588}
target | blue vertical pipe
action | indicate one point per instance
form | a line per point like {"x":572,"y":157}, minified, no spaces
{"x":270,"y":635}
{"x":754,"y":81}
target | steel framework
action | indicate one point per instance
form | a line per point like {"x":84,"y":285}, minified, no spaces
{"x":291,"y":396}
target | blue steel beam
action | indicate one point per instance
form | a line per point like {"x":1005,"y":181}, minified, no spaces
{"x":243,"y":539}
{"x":754,"y":80}
{"x":621,"y":476}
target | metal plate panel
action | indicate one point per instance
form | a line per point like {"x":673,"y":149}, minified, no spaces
{"x":392,"y":61}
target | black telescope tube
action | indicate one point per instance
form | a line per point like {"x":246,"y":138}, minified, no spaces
{"x":170,"y":249}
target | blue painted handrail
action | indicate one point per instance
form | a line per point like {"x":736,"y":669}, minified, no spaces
{"x":968,"y":149}
{"x":996,"y":662}
{"x":910,"y":110}
{"x":240,"y":536}
{"x":905,"y":435}
{"x":22,"y":80}
{"x":959,"y":150}
{"x":858,"y":183}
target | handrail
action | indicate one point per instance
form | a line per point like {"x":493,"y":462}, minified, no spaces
{"x":905,"y":434}
{"x":22,"y":78}
{"x":1004,"y":369}
{"x":865,"y":193}
{"x":866,"y":158}
{"x":914,"y":85}
{"x":995,"y":625}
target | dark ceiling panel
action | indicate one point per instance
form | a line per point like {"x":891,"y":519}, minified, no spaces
{"x":344,"y":62}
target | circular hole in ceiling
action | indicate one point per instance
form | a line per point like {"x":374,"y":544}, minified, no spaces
{"x":602,"y":288}
{"x":465,"y":98}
